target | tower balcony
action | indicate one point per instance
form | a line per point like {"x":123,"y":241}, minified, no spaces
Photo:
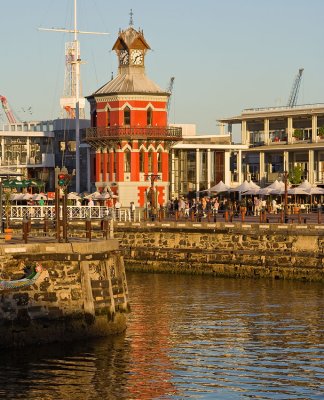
{"x":102,"y":134}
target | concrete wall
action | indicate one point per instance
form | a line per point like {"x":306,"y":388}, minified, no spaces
{"x":82,"y":292}
{"x":233,"y":250}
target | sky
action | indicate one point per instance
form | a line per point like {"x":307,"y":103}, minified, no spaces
{"x":225,"y":55}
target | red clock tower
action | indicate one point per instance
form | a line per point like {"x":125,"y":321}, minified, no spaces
{"x":129,"y":132}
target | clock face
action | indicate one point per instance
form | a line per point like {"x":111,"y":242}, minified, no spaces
{"x":137,"y":57}
{"x":123,"y":57}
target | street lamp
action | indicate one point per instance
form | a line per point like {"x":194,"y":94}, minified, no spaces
{"x":285,"y":176}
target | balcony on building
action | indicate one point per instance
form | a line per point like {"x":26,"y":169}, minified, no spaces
{"x":133,"y":132}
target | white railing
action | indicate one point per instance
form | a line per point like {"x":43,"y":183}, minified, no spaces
{"x":73,"y":212}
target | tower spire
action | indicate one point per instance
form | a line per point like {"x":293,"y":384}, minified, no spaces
{"x":131,"y":22}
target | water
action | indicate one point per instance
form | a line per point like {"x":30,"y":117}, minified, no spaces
{"x":189,"y":337}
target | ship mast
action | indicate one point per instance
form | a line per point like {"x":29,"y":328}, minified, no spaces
{"x":76,"y":93}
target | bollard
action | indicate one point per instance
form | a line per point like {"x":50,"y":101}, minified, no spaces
{"x":104,"y":224}
{"x":192,"y":216}
{"x":243,"y":215}
{"x":282,"y":216}
{"x":88,"y":229}
{"x":45,"y":228}
{"x":208,"y":216}
{"x":226,"y":216}
{"x":318,"y":216}
{"x":25,"y":230}
{"x":177,"y":215}
{"x":215,"y":219}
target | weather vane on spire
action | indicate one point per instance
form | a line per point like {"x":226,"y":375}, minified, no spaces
{"x":131,"y":22}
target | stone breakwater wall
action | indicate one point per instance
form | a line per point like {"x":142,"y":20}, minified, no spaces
{"x":277,"y":251}
{"x":80,"y":293}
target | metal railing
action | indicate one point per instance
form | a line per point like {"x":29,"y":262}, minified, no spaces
{"x":164,"y":132}
{"x":73,"y":212}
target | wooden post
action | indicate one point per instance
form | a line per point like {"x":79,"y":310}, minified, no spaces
{"x":88,"y":229}
{"x":65,"y":222}
{"x":57,"y":214}
{"x":45,"y":228}
{"x":25,"y":230}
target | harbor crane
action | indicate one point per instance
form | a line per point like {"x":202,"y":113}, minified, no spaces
{"x":10,"y":115}
{"x":292,"y":102}
{"x":169,"y":90}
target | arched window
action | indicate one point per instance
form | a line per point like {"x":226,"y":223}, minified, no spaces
{"x":159,"y":161}
{"x":127,"y":160}
{"x":142,"y":160}
{"x":149,"y":116}
{"x":108,"y":117}
{"x":150,"y":161}
{"x":127,"y":116}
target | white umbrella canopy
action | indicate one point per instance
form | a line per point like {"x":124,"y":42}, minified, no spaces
{"x":297,"y":190}
{"x":305,"y":185}
{"x":277,"y":185}
{"x":219,"y":187}
{"x":245,"y":186}
{"x":252,"y":192}
{"x":73,"y":196}
{"x":39,"y":196}
{"x":314,"y":190}
{"x":27,"y":196}
{"x":16,"y":196}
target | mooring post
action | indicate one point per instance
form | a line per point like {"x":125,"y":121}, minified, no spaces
{"x":45,"y":228}
{"x":25,"y":229}
{"x":88,"y":229}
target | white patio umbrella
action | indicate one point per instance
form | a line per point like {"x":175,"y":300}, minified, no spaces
{"x":314,"y":190}
{"x":27,"y":196}
{"x":305,"y":185}
{"x":73,"y":196}
{"x":219,"y":187}
{"x":245,"y":186}
{"x":39,"y":196}
{"x":297,"y":190}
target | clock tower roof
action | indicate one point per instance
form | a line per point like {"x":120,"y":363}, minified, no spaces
{"x":135,"y":83}
{"x":131,"y":39}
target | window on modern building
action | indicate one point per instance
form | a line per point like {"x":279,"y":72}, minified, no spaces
{"x":149,"y":116}
{"x":142,"y":160}
{"x":127,"y":161}
{"x":108,"y":117}
{"x":150,"y":161}
{"x":127,"y":116}
{"x":72,"y":146}
{"x":159,"y":161}
{"x":62,"y":146}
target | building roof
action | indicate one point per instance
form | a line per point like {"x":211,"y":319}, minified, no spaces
{"x":132,"y":82}
{"x":275,"y":112}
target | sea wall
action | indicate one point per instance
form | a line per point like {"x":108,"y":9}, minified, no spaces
{"x":81,"y":292}
{"x":277,"y":251}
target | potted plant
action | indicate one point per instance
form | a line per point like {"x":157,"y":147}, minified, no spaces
{"x":298,"y":134}
{"x":321,"y":132}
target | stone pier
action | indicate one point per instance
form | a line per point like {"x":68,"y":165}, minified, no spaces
{"x":81,"y":292}
{"x":276,"y":251}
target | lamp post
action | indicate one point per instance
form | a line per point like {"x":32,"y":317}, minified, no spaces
{"x":286,"y":196}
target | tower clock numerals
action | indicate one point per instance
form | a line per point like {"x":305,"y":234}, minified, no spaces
{"x":137,"y":57}
{"x":123,"y":57}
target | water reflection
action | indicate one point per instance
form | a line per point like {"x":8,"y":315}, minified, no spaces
{"x":188,"y":337}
